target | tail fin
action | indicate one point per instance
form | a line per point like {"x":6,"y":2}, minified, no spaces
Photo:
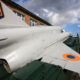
{"x":8,"y":18}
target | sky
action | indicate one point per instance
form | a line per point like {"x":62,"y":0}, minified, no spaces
{"x":63,"y":13}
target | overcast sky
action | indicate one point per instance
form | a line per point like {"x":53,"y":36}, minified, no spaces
{"x":57,"y":12}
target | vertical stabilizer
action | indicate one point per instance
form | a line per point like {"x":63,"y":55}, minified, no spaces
{"x":8,"y":18}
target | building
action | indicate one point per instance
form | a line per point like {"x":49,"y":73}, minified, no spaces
{"x":30,"y":18}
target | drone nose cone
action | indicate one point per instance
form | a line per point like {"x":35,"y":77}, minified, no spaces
{"x":68,"y":33}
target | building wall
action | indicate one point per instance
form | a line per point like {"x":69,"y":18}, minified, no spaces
{"x":27,"y":17}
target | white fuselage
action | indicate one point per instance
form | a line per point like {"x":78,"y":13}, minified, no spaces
{"x":23,"y":45}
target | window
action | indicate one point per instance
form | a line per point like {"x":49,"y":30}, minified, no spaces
{"x":41,"y":24}
{"x":23,"y":17}
{"x":15,"y":12}
{"x":33,"y":22}
{"x":20,"y":15}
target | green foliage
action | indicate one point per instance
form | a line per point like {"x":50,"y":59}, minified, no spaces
{"x":74,"y":43}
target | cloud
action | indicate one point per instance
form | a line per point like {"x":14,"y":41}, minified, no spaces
{"x":57,"y":12}
{"x":78,"y":26}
